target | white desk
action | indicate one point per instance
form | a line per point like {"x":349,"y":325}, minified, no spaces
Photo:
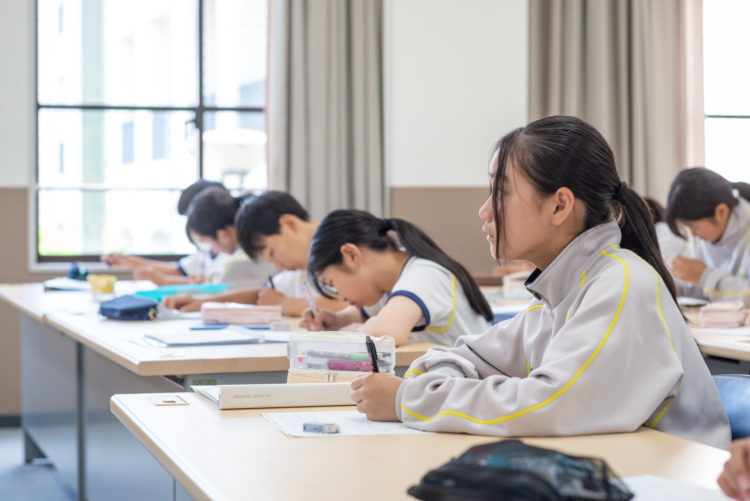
{"x":232,"y":455}
{"x":73,"y":361}
{"x":725,"y":353}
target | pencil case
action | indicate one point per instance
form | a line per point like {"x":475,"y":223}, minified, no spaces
{"x":129,"y":308}
{"x":336,"y":357}
{"x":239,"y":314}
{"x":724,"y":314}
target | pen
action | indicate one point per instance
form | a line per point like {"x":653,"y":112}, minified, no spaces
{"x":270,"y":282}
{"x":373,"y":354}
{"x":310,"y":301}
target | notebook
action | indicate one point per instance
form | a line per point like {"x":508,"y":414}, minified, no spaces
{"x":197,"y":338}
{"x":252,"y":396}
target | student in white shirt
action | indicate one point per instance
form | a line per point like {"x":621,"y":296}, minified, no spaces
{"x":211,"y":224}
{"x":603,"y":348}
{"x":717,"y":213}
{"x":275,"y":228}
{"x":185,"y":271}
{"x":397,"y":280}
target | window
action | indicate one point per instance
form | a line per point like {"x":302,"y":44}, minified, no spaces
{"x":135,"y":101}
{"x":727,"y":79}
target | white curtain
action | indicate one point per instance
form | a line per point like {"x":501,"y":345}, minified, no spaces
{"x":633,"y":69}
{"x":325,"y":112}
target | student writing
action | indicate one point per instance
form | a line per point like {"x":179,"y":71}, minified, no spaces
{"x":275,"y":228}
{"x":717,"y":214}
{"x":396,"y":279}
{"x":603,"y":347}
{"x":186,"y":270}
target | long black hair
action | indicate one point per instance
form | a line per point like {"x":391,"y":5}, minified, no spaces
{"x":213,"y":209}
{"x":363,"y":229}
{"x":695,"y":193}
{"x":563,"y":151}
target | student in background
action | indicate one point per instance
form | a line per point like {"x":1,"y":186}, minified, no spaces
{"x":272,"y":227}
{"x":396,"y":279}
{"x":670,"y":245}
{"x":602,"y":349}
{"x":163,"y":272}
{"x":735,"y":479}
{"x":717,"y":215}
{"x":210,"y":226}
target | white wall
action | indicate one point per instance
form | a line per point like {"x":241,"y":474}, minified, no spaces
{"x":16,"y":93}
{"x":455,"y":81}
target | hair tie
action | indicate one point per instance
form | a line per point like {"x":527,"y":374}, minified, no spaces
{"x":620,"y":191}
{"x":386,"y":225}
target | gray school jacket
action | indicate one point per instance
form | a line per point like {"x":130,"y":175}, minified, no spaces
{"x":603,"y":349}
{"x":727,"y":276}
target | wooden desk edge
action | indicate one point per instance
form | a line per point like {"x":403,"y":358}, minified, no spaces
{"x":190,"y":480}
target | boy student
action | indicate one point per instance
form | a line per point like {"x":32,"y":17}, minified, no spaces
{"x":186,"y":270}
{"x":275,"y":228}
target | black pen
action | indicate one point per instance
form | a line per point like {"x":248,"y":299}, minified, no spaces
{"x":270,"y":282}
{"x":373,"y":354}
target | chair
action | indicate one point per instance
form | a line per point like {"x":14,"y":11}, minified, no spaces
{"x":735,"y":395}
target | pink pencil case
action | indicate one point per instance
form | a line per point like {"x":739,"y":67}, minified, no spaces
{"x":724,"y":314}
{"x":239,"y":314}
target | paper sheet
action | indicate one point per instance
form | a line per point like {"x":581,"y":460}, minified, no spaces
{"x":732,"y":331}
{"x":691,"y":301}
{"x":350,"y":423}
{"x":651,"y":488}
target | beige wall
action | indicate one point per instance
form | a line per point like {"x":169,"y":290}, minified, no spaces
{"x":451,"y":217}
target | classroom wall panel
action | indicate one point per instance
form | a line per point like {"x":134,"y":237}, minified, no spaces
{"x":455,"y":79}
{"x":451,"y":217}
{"x":16,"y":93}
{"x":14,"y":268}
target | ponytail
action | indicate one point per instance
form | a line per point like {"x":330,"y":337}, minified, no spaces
{"x":212,"y":210}
{"x":639,"y":233}
{"x":363,"y":229}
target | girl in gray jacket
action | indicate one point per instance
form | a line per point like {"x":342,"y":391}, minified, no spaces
{"x":603,"y":348}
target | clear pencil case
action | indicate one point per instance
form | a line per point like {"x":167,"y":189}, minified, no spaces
{"x":334,"y":357}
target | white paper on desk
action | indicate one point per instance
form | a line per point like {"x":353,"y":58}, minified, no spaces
{"x":350,"y":423}
{"x":651,"y":488}
{"x":732,"y":331}
{"x":198,"y":338}
{"x":691,"y":301}
{"x":67,"y":284}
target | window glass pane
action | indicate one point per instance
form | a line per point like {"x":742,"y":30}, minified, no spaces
{"x":122,"y":149}
{"x":234,"y":149}
{"x":235,"y":51}
{"x":726,"y":147}
{"x":726,"y":41}
{"x":115,"y":52}
{"x":75,"y":222}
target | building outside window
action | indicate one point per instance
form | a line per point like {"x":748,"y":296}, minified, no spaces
{"x":124,"y":91}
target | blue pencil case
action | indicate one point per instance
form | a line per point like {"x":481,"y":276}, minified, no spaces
{"x":129,"y":308}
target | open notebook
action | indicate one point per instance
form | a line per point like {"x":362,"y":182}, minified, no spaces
{"x":252,"y":396}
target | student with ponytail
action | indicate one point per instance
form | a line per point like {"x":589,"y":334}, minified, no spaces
{"x":396,"y":279}
{"x":717,"y":213}
{"x":603,"y":347}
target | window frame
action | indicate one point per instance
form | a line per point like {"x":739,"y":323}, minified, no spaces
{"x":39,"y":261}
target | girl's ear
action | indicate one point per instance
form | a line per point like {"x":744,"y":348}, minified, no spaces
{"x":721,"y":213}
{"x":562,"y":203}
{"x":351,"y":257}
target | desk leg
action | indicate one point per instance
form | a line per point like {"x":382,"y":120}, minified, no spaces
{"x":118,"y":467}
{"x":49,"y":398}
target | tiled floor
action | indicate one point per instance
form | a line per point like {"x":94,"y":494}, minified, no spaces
{"x":26,"y":482}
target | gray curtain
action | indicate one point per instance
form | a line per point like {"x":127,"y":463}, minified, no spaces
{"x":632,"y":68}
{"x":325,"y":112}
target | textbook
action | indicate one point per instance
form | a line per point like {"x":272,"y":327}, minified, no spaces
{"x":252,"y":396}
